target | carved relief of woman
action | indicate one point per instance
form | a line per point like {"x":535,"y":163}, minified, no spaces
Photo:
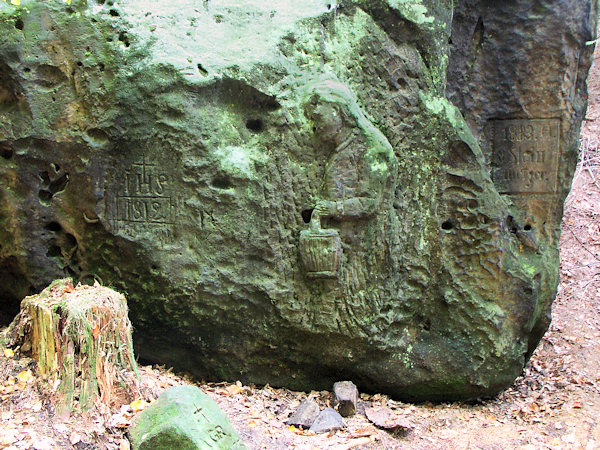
{"x":360,"y":160}
{"x":356,"y":187}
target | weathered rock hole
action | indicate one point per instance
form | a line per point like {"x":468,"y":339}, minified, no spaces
{"x":222,"y":182}
{"x":329,"y":6}
{"x":45,"y":177}
{"x":56,"y":167}
{"x":512,"y":226}
{"x":59,"y":184}
{"x":45,"y":196}
{"x":255,"y":125}
{"x":527,"y":227}
{"x":27,"y":70}
{"x":79,"y":63}
{"x":70,"y":241}
{"x":202,"y":70}
{"x":306,"y":215}
{"x":426,"y":324}
{"x":6,"y":151}
{"x":97,"y":137}
{"x":124,"y":39}
{"x":114,"y":13}
{"x":478,"y":36}
{"x":53,"y":251}
{"x":402,"y":83}
{"x":19,"y":25}
{"x":101,"y":67}
{"x":447,"y":225}
{"x":53,"y":226}
{"x":49,"y":76}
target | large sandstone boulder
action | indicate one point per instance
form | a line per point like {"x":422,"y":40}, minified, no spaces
{"x":286,"y":191}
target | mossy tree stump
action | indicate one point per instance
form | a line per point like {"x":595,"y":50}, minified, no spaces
{"x":82,"y":337}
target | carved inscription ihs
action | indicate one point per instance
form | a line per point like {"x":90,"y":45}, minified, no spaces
{"x":142,"y":202}
{"x":525,"y":155}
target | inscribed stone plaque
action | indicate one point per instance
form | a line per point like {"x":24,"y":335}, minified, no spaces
{"x":525,"y":155}
{"x":140,"y":200}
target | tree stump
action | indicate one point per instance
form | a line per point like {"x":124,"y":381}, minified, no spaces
{"x":82,"y":337}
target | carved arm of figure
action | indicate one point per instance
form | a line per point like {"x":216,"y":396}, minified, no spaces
{"x":350,"y":208}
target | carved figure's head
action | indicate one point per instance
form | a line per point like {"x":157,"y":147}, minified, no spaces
{"x":331,"y":108}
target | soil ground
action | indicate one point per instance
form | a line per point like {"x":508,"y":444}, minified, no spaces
{"x":555,"y":404}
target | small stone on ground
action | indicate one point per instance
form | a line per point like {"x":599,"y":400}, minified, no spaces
{"x":327,"y":420}
{"x":305,"y":415}
{"x":346,"y":397}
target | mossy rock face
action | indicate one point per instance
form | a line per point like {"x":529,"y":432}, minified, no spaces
{"x":178,"y":151}
{"x":183,"y":417}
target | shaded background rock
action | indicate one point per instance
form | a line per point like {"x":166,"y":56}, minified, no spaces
{"x":177,"y":152}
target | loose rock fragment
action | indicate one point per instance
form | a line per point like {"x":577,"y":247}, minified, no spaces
{"x":385,"y":418}
{"x":346,"y":397}
{"x":183,"y":417}
{"x":305,"y":415}
{"x":327,"y":420}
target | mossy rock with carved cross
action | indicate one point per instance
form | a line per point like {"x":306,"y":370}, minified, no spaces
{"x":82,"y":337}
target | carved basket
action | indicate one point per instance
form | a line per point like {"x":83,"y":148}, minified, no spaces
{"x":320,"y":250}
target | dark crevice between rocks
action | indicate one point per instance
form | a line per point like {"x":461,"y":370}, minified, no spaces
{"x":10,"y":93}
{"x":14,"y":286}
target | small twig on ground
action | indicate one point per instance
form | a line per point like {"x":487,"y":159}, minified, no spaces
{"x":588,"y":168}
{"x":581,"y":243}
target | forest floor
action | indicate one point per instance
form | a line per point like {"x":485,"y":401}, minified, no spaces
{"x":555,"y":404}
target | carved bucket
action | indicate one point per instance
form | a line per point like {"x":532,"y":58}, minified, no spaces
{"x":320,"y":250}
